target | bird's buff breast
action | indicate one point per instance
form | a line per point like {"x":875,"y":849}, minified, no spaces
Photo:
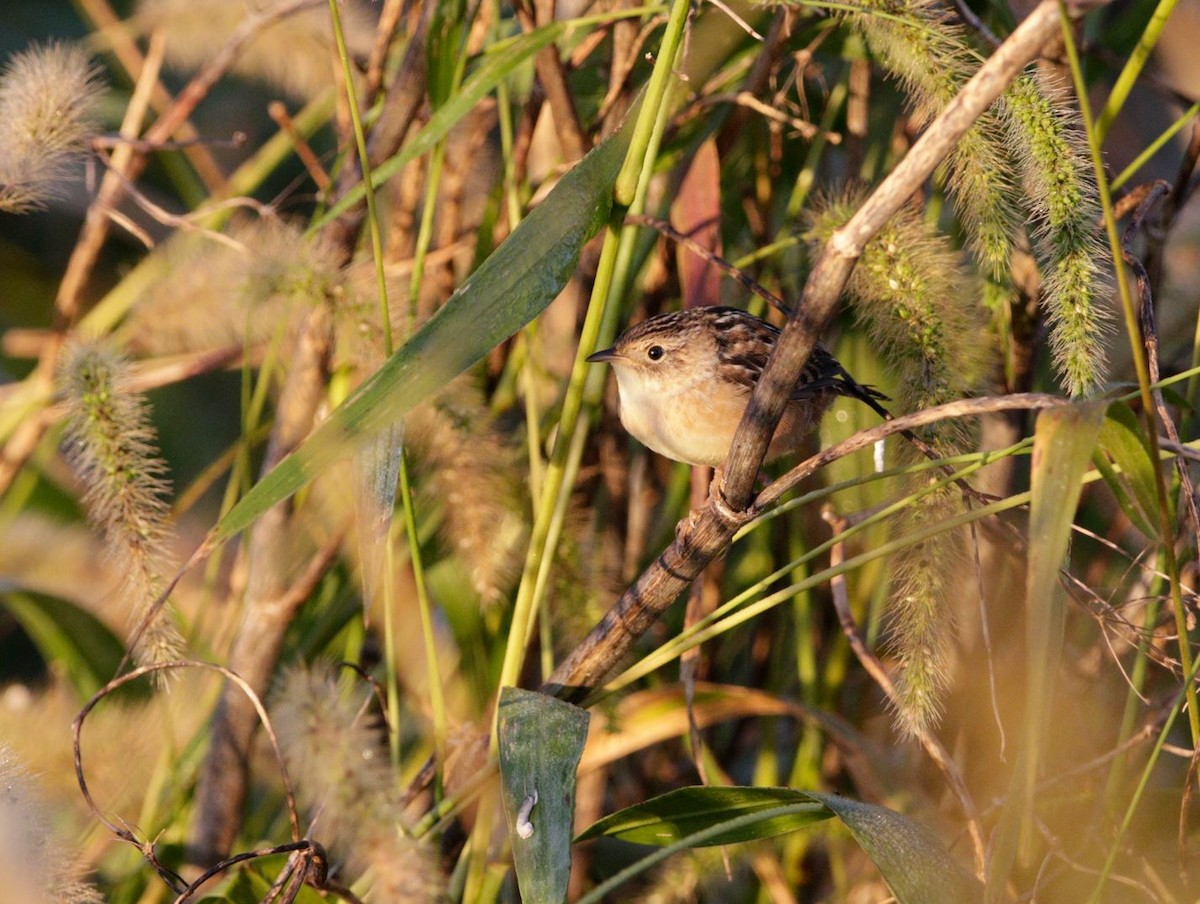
{"x":694,"y":425}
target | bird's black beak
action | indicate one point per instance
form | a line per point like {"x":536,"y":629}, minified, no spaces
{"x":606,"y":354}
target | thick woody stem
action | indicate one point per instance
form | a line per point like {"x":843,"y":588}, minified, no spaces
{"x":707,"y":532}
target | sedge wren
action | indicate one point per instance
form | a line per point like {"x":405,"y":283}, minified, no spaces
{"x":684,"y":380}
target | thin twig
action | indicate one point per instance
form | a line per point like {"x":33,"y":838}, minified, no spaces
{"x":802,"y":127}
{"x":77,"y":729}
{"x":278,"y":112}
{"x":867,"y":438}
{"x":1160,"y":189}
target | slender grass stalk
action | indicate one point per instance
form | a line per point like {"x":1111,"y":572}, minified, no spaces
{"x":1133,"y":68}
{"x":1189,"y":679}
{"x":1137,"y":683}
{"x":528,"y":342}
{"x":1138,"y":356}
{"x":433,"y":184}
{"x":639,"y":159}
{"x":1153,"y":148}
{"x":632,"y":173}
{"x":539,"y":546}
{"x":435,"y":679}
{"x":436,"y":697}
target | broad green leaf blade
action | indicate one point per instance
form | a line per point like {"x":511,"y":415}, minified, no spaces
{"x":1063,"y":443}
{"x":911,"y":860}
{"x":677,"y":814}
{"x":541,"y":740}
{"x":1123,"y":440}
{"x":1064,"y":439}
{"x":68,"y":636}
{"x":507,"y":291}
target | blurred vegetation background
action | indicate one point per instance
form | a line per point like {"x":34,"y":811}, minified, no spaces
{"x":192,"y":281}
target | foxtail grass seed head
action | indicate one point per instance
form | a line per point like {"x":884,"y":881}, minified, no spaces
{"x":211,"y":294}
{"x":1065,"y":210}
{"x":910,"y":293}
{"x":927,"y":51}
{"x":463,"y":462}
{"x":49,"y":96}
{"x":925,"y":578}
{"x":338,"y":762}
{"x":111,"y":445}
{"x":37,"y":867}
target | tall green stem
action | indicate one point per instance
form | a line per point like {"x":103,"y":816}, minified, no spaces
{"x":639,"y":159}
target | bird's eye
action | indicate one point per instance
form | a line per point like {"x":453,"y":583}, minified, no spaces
{"x":654,"y":352}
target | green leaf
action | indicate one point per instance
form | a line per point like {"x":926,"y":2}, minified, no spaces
{"x":677,"y":814}
{"x":507,"y":291}
{"x":1123,"y":442}
{"x":911,"y":860}
{"x":68,"y":636}
{"x":443,"y":49}
{"x":1063,"y":443}
{"x":541,"y":740}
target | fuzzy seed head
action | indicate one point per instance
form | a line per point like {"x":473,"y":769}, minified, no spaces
{"x":213,"y":294}
{"x":911,"y":294}
{"x":48,"y":107}
{"x":36,"y":866}
{"x":111,"y":445}
{"x":463,"y":462}
{"x":928,"y":52}
{"x":1064,"y":208}
{"x":339,"y":767}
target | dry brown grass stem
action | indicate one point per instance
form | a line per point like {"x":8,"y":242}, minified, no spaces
{"x":552,"y":75}
{"x":122,"y":831}
{"x":1158,"y":190}
{"x":116,"y":37}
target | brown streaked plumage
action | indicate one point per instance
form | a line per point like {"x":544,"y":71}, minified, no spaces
{"x":684,"y":380}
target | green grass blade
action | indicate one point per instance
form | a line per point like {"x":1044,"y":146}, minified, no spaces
{"x":1123,"y":440}
{"x":677,"y":814}
{"x":1064,"y":439}
{"x":66,"y":635}
{"x":911,"y":860}
{"x":508,"y":290}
